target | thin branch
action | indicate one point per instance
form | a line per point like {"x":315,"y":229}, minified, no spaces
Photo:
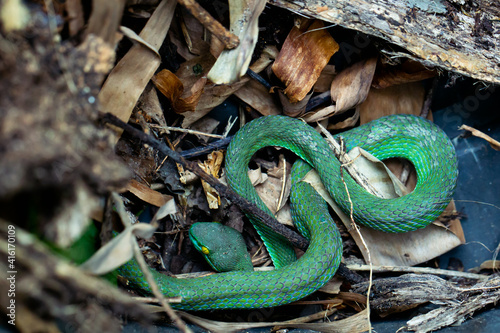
{"x":427,"y":270}
{"x":187,"y":130}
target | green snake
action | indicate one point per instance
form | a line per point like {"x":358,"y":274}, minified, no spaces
{"x":421,"y":142}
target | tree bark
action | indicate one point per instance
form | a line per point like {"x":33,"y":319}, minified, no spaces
{"x":438,"y":33}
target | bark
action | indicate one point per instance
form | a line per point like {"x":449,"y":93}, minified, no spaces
{"x":438,"y":33}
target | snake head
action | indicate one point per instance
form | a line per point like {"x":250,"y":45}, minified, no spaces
{"x":222,"y":247}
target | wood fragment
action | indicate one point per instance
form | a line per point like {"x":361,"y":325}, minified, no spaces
{"x":434,"y":34}
{"x":421,"y":270}
{"x":455,"y":311}
{"x":229,"y":39}
{"x":493,"y":143}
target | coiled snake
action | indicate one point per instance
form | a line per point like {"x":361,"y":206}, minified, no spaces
{"x":413,"y":138}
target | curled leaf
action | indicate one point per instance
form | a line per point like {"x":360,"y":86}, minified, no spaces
{"x":171,"y":86}
{"x":305,"y":53}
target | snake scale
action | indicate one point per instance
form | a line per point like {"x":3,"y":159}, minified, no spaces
{"x":421,"y":142}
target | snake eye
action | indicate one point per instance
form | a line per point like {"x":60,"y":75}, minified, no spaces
{"x":205,"y":250}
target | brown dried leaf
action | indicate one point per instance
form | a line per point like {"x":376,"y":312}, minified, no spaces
{"x":325,"y":79}
{"x":305,"y":53}
{"x":349,"y":122}
{"x":294,"y":109}
{"x":172,"y":87}
{"x":147,"y":194}
{"x":212,"y":166}
{"x":353,"y":324}
{"x":409,"y":71}
{"x":400,"y":99}
{"x":490,"y":264}
{"x":351,"y":86}
{"x":127,"y":80}
{"x":256,"y":95}
{"x":188,"y":35}
{"x":213,"y":94}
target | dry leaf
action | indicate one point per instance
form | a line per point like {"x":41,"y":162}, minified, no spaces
{"x":256,"y":176}
{"x":304,"y":55}
{"x":294,"y":109}
{"x":149,"y":105}
{"x":355,"y":324}
{"x":409,"y":71}
{"x":320,"y":114}
{"x":147,"y":194}
{"x":172,"y":87}
{"x":348,"y":89}
{"x":213,"y":94}
{"x":212,"y":166}
{"x":188,"y":35}
{"x":490,"y":264}
{"x":401,"y":99}
{"x":325,"y":79}
{"x":129,"y":77}
{"x":349,"y":122}
{"x":493,"y":143}
{"x":351,"y":86}
{"x":118,"y":251}
{"x":232,"y":64}
{"x":270,"y":189}
{"x":256,"y":95}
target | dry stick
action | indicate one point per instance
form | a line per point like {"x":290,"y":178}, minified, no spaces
{"x":181,"y":325}
{"x":186,"y":130}
{"x":420,"y":270}
{"x":229,"y":39}
{"x":364,"y":244}
{"x":244,"y":204}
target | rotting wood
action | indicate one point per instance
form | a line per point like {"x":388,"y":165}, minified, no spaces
{"x":401,"y":293}
{"x":461,"y":39}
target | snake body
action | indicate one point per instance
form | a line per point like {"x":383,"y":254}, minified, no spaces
{"x":409,"y":137}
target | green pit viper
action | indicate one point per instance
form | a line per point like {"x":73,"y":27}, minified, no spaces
{"x":413,"y":138}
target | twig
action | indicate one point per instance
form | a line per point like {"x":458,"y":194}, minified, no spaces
{"x":366,"y":248}
{"x":244,"y":204}
{"x":259,"y":79}
{"x":427,"y":270}
{"x":230,"y":124}
{"x":229,"y":39}
{"x":181,"y":325}
{"x":187,"y":130}
{"x":347,"y":162}
{"x":190,"y":153}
